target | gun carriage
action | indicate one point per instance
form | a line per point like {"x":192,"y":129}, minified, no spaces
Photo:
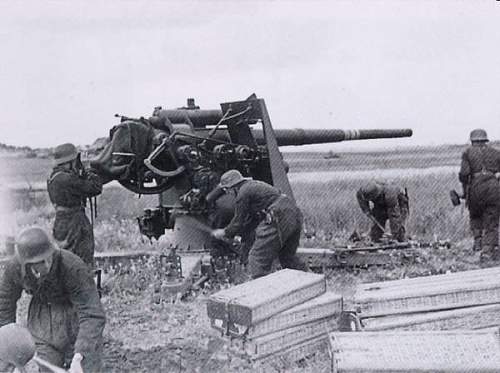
{"x":180,"y":154}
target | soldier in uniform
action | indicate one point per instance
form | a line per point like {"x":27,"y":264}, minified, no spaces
{"x":389,"y":202}
{"x":479,"y":173}
{"x":278,"y":223}
{"x":65,"y":316}
{"x":69,"y":186}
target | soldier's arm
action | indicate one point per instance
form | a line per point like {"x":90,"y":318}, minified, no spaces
{"x":465,"y":171}
{"x":497,"y":173}
{"x":364,"y":204}
{"x":85,"y":298}
{"x":89,"y":185}
{"x":240,"y":217}
{"x":10,"y":292}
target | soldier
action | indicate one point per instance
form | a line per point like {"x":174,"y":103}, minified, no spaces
{"x":389,"y":203}
{"x":479,"y":175}
{"x":69,"y":186}
{"x":278,"y":228}
{"x":65,"y":316}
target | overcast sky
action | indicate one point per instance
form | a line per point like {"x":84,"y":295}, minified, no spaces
{"x":67,"y":67}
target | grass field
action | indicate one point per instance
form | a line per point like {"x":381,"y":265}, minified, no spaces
{"x":326,"y":196}
{"x":144,"y":336}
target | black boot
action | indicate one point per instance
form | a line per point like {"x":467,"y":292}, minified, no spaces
{"x":477,"y":246}
{"x":486,"y":254}
{"x":495,"y":254}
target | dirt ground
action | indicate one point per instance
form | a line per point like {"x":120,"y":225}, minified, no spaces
{"x":144,"y":336}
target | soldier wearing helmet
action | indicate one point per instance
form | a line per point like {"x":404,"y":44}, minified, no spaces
{"x":65,"y":317}
{"x":479,"y":173}
{"x":69,"y":187}
{"x":382,"y":202}
{"x":275,"y":218}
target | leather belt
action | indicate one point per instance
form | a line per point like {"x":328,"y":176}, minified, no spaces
{"x":483,"y":173}
{"x":68,"y":209}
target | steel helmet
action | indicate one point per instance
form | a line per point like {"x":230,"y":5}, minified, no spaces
{"x":18,"y":346}
{"x":64,"y":153}
{"x":478,"y":135}
{"x":231,"y":178}
{"x":33,"y":245}
{"x":370,"y":190}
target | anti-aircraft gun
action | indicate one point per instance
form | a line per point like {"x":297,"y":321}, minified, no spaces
{"x":180,"y":155}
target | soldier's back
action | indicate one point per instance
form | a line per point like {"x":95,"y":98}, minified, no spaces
{"x":483,"y":157}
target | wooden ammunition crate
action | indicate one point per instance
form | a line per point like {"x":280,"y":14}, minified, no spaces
{"x":326,"y":305}
{"x":297,"y":352}
{"x":416,"y":352}
{"x":408,"y":283}
{"x":270,"y":344}
{"x":462,"y":318}
{"x":259,"y":299}
{"x":428,"y":296}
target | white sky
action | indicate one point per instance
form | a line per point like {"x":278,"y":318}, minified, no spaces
{"x":67,"y":67}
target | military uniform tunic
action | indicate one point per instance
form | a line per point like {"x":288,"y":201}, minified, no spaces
{"x":390,"y":204}
{"x":65,"y":314}
{"x":480,"y":163}
{"x":278,"y":228}
{"x":68,"y":192}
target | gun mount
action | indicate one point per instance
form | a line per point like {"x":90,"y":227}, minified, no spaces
{"x":180,"y":155}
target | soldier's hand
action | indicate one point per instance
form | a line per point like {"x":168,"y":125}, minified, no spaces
{"x":219,"y":234}
{"x":76,"y":364}
{"x":497,"y":175}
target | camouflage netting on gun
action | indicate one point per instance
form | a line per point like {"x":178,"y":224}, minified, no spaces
{"x":129,"y":144}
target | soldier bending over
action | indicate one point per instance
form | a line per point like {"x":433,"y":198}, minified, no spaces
{"x":389,"y":202}
{"x":279,"y":222}
{"x":65,"y":316}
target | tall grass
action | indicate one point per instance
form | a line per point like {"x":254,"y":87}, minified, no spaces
{"x":331,"y":210}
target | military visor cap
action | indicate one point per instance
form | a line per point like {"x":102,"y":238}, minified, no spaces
{"x":33,"y":245}
{"x":231,"y":178}
{"x":478,"y":135}
{"x":65,"y":153}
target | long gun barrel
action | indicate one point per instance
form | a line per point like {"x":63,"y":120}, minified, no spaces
{"x":299,"y":136}
{"x":303,"y":137}
{"x":201,"y":120}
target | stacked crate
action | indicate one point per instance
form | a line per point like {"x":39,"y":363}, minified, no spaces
{"x":461,"y":300}
{"x":416,"y":352}
{"x":285,"y":314}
